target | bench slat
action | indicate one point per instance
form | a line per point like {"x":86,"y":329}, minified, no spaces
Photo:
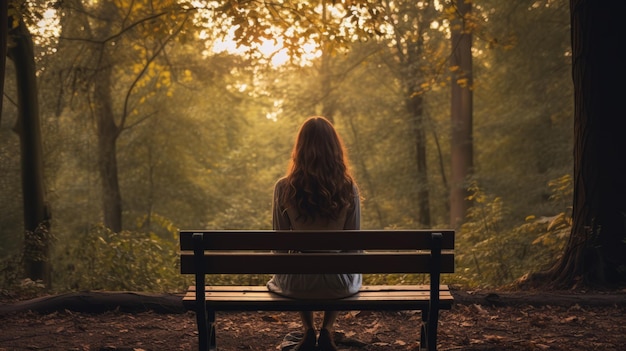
{"x":370,"y":298}
{"x":269,"y":263}
{"x":366,"y":288}
{"x":317,"y":240}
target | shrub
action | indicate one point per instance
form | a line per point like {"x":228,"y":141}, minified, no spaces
{"x":489,"y":254}
{"x":129,"y":260}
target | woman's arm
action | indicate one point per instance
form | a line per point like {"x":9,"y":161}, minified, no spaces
{"x":280,"y":219}
{"x":353,"y":217}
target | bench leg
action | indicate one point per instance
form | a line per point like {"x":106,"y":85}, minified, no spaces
{"x":203,"y":335}
{"x":206,"y":331}
{"x":203,"y":332}
{"x":212,"y":338}
{"x":433,"y":320}
{"x":428,"y":331}
{"x":424,"y":331}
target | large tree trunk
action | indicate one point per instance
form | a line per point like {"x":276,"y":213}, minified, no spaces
{"x":36,"y":212}
{"x":595,"y":254}
{"x":461,"y":114}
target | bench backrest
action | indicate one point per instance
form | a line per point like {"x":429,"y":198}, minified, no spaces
{"x":265,"y":251}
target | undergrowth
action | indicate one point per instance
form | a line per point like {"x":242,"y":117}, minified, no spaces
{"x":487,"y":254}
{"x":490,"y":254}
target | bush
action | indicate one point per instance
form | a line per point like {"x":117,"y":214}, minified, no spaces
{"x":488,"y":254}
{"x":129,"y":260}
{"x":14,"y":285}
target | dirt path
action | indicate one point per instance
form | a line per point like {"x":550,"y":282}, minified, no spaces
{"x":466,"y":327}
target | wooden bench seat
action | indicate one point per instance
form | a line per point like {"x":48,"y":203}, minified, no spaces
{"x":261,"y":252}
{"x":370,"y":297}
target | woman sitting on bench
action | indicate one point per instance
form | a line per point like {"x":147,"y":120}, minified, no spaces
{"x":318,"y":193}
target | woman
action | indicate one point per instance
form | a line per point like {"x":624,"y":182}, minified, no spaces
{"x":318,"y":193}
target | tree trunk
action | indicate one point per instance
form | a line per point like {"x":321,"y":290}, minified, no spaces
{"x":360,"y":161}
{"x":461,"y":114}
{"x":4,"y":29}
{"x":108,"y":133}
{"x":328,"y":99}
{"x":415,"y":106}
{"x":595,"y":254}
{"x":36,"y":211}
{"x":108,"y":130}
{"x":410,"y":26}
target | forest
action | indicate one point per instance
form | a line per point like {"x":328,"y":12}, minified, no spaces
{"x":155,"y":116}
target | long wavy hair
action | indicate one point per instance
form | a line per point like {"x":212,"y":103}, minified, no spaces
{"x":319,"y":181}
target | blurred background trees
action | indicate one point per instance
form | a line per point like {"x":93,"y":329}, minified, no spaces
{"x":154,"y":119}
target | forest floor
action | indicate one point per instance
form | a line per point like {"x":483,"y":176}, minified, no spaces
{"x":478,"y":321}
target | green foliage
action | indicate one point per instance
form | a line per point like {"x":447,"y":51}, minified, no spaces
{"x":523,"y":111}
{"x":238,"y":279}
{"x":19,"y":289}
{"x":128,"y":260}
{"x":490,"y":254}
{"x":395,"y":279}
{"x":13,"y":284}
{"x":550,"y":233}
{"x":36,"y":243}
{"x":485,"y":249}
{"x":11,"y":271}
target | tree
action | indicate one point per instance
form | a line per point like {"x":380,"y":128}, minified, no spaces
{"x":461,"y":112}
{"x":138,"y":33}
{"x":4,"y":28}
{"x":595,"y":254}
{"x":36,"y":210}
{"x":411,"y":23}
{"x":523,"y":93}
{"x":108,"y":129}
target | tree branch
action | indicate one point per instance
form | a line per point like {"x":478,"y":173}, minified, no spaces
{"x":143,"y":71}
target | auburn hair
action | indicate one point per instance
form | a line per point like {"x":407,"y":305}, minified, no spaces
{"x":319,"y":183}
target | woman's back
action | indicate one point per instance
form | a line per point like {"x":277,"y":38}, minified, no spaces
{"x":314,"y":285}
{"x":288,"y":218}
{"x":318,"y":193}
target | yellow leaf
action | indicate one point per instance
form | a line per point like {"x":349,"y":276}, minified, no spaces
{"x":462,"y":82}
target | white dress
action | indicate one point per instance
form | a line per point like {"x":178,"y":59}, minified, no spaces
{"x":312,"y":286}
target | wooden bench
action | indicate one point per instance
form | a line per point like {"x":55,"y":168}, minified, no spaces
{"x":379,"y":251}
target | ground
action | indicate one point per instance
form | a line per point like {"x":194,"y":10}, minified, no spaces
{"x":488,"y":322}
